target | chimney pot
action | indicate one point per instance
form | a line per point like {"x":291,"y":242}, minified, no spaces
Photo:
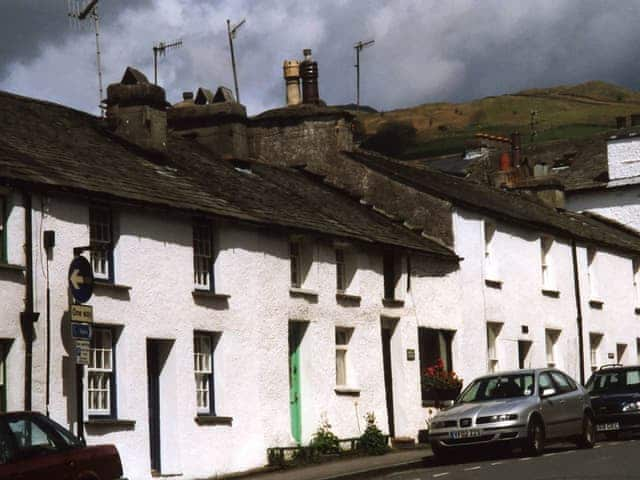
{"x":291,"y":70}
{"x":309,"y":74}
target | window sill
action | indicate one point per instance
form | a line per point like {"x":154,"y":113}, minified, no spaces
{"x":348,"y":391}
{"x":213,"y":420}
{"x":12,"y":267}
{"x":347,"y":297}
{"x":209,"y":294}
{"x":111,"y":422}
{"x":597,"y":304}
{"x":493,"y":283}
{"x":550,"y":292}
{"x":302,"y":292}
{"x":110,"y":285}
{"x":392,"y":303}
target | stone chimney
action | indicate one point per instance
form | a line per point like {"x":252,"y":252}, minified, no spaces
{"x":216,"y":121}
{"x":309,"y":74}
{"x":292,"y":79}
{"x":136,"y":111}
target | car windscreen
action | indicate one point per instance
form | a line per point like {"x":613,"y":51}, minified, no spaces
{"x":615,"y":381}
{"x":499,"y":386}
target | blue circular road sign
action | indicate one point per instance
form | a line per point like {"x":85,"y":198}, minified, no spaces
{"x":80,"y":279}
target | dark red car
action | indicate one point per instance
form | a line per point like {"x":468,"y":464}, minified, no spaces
{"x":34,"y":447}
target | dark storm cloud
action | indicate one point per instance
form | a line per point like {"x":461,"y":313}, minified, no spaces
{"x":430,"y":50}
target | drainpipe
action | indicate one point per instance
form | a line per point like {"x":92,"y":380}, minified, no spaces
{"x":576,"y":283}
{"x":28,"y":317}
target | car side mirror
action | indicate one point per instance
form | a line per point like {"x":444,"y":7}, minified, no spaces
{"x":547,"y":392}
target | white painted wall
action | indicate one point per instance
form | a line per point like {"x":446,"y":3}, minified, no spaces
{"x":620,"y":204}
{"x":623,"y":156}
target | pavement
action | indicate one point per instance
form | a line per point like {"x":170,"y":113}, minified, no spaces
{"x":619,"y":460}
{"x":349,"y":468}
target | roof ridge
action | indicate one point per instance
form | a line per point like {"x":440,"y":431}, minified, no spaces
{"x":16,"y":96}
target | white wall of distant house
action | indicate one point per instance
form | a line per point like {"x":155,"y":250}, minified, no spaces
{"x":620,"y":204}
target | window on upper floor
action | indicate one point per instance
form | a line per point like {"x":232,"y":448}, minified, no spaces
{"x":592,"y":256}
{"x":101,"y":239}
{"x":203,"y":348}
{"x":295,"y":259}
{"x":546,"y":263}
{"x":392,"y":272}
{"x":621,"y":353}
{"x":490,"y":260}
{"x":551,"y":345}
{"x":3,"y":229}
{"x":203,"y":256}
{"x":343,"y":336}
{"x":101,"y":373}
{"x":493,"y":332}
{"x":341,"y":271}
{"x":595,"y":340}
{"x":301,"y":260}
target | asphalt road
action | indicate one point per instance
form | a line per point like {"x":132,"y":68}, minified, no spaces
{"x":608,"y":461}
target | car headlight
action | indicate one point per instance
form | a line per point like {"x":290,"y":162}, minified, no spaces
{"x":497,"y":418}
{"x":631,"y":407}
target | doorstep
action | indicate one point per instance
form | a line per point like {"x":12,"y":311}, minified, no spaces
{"x":345,"y":468}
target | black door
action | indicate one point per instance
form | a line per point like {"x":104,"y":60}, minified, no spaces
{"x":153,"y":382}
{"x":388,"y":381}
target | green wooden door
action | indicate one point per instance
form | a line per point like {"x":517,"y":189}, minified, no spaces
{"x":294,"y":381}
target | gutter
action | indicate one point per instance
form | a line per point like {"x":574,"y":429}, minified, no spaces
{"x":576,"y":283}
{"x":28,"y":317}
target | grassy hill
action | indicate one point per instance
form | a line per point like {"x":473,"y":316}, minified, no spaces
{"x":562,"y":112}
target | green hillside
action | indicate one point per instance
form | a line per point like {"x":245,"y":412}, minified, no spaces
{"x":562,"y":112}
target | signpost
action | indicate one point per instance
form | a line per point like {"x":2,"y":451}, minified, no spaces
{"x":81,"y":288}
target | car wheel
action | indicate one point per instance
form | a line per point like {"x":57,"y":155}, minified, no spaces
{"x":534,"y":444}
{"x":588,"y":436}
{"x":441,"y":454}
{"x":611,"y":436}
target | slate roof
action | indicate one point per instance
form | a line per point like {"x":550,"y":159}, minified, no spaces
{"x":515,"y":207}
{"x":454,"y":164}
{"x":51,"y":147}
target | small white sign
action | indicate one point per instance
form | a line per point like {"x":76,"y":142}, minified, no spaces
{"x":82,"y":352}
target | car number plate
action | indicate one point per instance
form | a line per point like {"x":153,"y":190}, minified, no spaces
{"x":606,"y":427}
{"x":464,"y":434}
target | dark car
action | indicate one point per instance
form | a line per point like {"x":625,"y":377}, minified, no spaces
{"x":34,"y":447}
{"x":615,"y":396}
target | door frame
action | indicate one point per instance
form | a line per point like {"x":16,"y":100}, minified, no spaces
{"x":295,"y":333}
{"x":386,"y":333}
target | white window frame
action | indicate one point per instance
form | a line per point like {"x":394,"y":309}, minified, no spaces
{"x":493,"y":332}
{"x":3,"y":229}
{"x":342,"y":339}
{"x":595,"y":341}
{"x":101,"y":241}
{"x":295,"y":261}
{"x":341,"y":270}
{"x":546,"y":263}
{"x":203,"y":256}
{"x":101,"y":373}
{"x":638,"y":350}
{"x":203,"y":372}
{"x":551,"y":337}
{"x":489,"y":231}
{"x":636,"y":279}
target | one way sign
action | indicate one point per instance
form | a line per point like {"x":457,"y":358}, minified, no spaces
{"x":80,"y":279}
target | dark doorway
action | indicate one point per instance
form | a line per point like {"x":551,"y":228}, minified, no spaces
{"x":153,"y":383}
{"x":388,"y":379}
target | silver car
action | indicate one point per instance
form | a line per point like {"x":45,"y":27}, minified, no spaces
{"x":522,"y":408}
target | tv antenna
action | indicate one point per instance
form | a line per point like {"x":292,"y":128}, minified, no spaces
{"x":231,"y":31}
{"x":358,"y":48}
{"x":77,"y":14}
{"x":533,"y":124}
{"x":160,"y":49}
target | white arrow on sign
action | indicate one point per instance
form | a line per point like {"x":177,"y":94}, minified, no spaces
{"x":76,"y":279}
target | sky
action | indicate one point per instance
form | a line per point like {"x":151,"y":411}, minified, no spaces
{"x":424,"y":51}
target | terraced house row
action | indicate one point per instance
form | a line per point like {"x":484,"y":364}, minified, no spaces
{"x":256,"y":274}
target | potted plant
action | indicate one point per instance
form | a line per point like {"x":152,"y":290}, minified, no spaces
{"x":439,"y":384}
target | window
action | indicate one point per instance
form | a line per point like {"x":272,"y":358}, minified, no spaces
{"x":391,"y":273}
{"x":591,"y":273}
{"x":546,"y":266}
{"x":621,"y":350}
{"x":3,"y":229}
{"x":595,"y":339}
{"x":434,"y":345}
{"x":4,"y":350}
{"x":101,"y":241}
{"x":203,"y":256}
{"x":203,"y":370}
{"x":551,"y":341}
{"x":544,"y":382}
{"x":638,"y":350}
{"x":493,"y":330}
{"x":562,"y":383}
{"x":101,"y":374}
{"x":490,"y":263}
{"x":343,"y":335}
{"x":296,"y":263}
{"x":341,"y":280}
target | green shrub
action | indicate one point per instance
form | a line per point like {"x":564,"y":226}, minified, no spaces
{"x":324,"y":440}
{"x":372,"y":441}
